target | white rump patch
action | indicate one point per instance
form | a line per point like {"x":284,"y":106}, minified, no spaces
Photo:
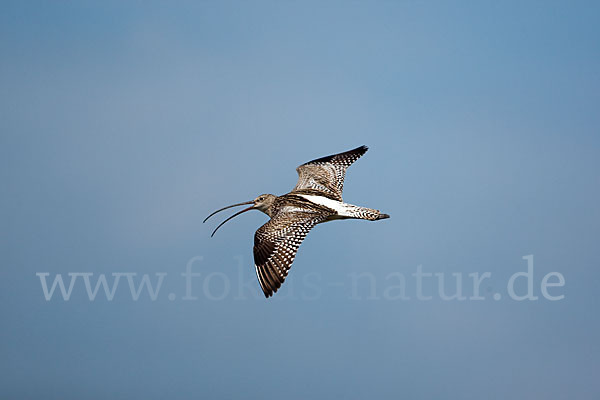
{"x":343,"y":209}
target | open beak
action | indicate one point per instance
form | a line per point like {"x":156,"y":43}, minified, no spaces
{"x":234,"y":215}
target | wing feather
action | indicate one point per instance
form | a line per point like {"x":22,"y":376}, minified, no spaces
{"x":276,"y":244}
{"x":326,"y":175}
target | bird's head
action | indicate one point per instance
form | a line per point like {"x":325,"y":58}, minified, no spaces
{"x":262,"y":203}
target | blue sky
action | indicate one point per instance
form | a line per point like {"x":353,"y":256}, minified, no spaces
{"x":123,"y":124}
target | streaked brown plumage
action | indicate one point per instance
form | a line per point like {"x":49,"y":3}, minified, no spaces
{"x":316,"y":198}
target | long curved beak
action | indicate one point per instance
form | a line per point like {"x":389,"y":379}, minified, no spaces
{"x":234,"y":215}
{"x":225,"y":208}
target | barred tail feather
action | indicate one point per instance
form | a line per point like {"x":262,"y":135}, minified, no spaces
{"x":357,"y":212}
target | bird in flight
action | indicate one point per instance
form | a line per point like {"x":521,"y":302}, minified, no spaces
{"x":317,"y":198}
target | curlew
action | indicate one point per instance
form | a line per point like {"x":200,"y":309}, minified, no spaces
{"x":316,"y":198}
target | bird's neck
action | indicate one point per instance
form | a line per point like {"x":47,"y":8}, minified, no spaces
{"x":268,"y":209}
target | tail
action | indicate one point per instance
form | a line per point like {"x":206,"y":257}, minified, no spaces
{"x":357,"y":212}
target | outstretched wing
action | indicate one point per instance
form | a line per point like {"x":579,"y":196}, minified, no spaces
{"x":276,"y":244}
{"x":326,"y":175}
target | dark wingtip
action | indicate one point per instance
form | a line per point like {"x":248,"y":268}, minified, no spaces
{"x":383,"y":216}
{"x":360,"y":150}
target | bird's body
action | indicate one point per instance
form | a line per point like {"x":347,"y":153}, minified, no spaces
{"x":316,"y":198}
